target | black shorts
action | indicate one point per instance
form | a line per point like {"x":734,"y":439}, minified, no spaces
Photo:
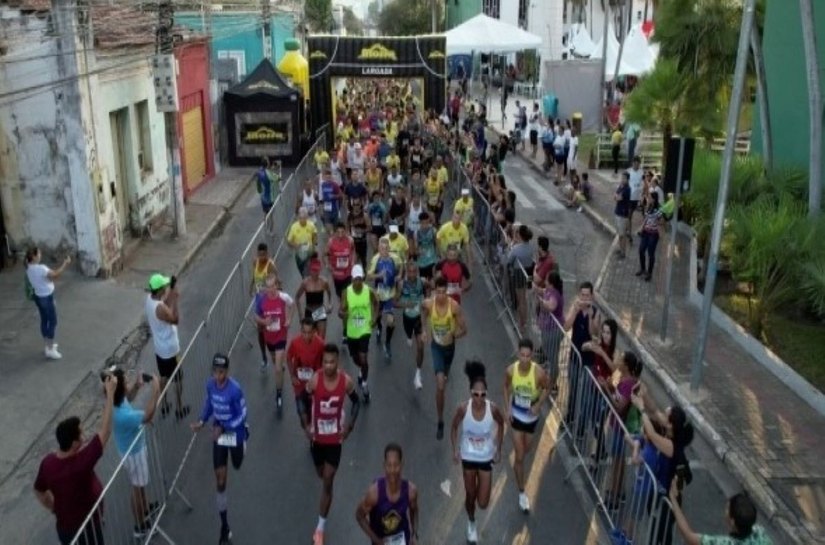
{"x":221,"y":455}
{"x":360,"y":345}
{"x":518,"y":425}
{"x":166,"y":366}
{"x":467,"y":465}
{"x":280,"y":345}
{"x":302,"y":403}
{"x":427,"y":271}
{"x":534,"y":138}
{"x":308,"y":315}
{"x":326,"y":455}
{"x":378,"y":230}
{"x":634,"y":205}
{"x":341,"y":285}
{"x":412,"y":326}
{"x":560,"y":159}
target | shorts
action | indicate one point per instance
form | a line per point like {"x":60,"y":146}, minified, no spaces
{"x":221,"y":455}
{"x":560,"y":159}
{"x":468,"y":465}
{"x":412,"y":325}
{"x":634,"y":205}
{"x":308,"y":315}
{"x":302,"y":402}
{"x":267,"y":206}
{"x":166,"y":366}
{"x":361,"y":345}
{"x":276,"y":347}
{"x":442,"y":358}
{"x":330,"y":218}
{"x":621,"y":224}
{"x":518,"y":425}
{"x":137,"y":467}
{"x":341,"y":285}
{"x":386,"y":307}
{"x":378,"y":230}
{"x":326,"y":455}
{"x":534,"y":138}
{"x":426,"y":271}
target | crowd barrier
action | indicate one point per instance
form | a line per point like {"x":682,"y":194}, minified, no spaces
{"x":167,"y":441}
{"x":632,"y":507}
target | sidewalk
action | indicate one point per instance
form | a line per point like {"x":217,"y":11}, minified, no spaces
{"x":97,"y":319}
{"x":765,"y":434}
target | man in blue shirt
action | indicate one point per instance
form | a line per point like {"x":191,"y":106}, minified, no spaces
{"x":127,"y":428}
{"x":226,"y":406}
{"x":331,"y":197}
{"x":266,"y":183}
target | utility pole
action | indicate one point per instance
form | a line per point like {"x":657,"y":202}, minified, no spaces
{"x":434,"y":10}
{"x":266,"y":27}
{"x":604,"y":61}
{"x":724,"y":184}
{"x":164,"y":44}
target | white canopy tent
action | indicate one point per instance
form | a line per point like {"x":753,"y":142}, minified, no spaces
{"x":581,"y":44}
{"x":637,"y":57}
{"x":488,"y":35}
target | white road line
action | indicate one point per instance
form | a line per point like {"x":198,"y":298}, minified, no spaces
{"x":543,"y":193}
{"x":521,"y":197}
{"x":518,"y":175}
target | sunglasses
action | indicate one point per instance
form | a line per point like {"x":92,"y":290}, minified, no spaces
{"x":480,"y":394}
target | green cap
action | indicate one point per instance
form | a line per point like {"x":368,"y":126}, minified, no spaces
{"x":158,"y":281}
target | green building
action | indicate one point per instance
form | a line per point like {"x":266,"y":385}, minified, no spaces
{"x":787,"y":82}
{"x":459,"y":11}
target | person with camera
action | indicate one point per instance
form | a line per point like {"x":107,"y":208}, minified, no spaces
{"x":128,"y":422}
{"x":66,"y":483}
{"x":40,"y":289}
{"x":162,"y":314}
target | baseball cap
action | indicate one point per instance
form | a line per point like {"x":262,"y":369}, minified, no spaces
{"x":465,"y":191}
{"x":393,"y":228}
{"x":158,"y":281}
{"x":220,"y":360}
{"x":357,"y":145}
{"x":315,"y":265}
{"x":357,"y":271}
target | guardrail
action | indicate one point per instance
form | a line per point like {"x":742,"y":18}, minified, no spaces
{"x":115,"y":518}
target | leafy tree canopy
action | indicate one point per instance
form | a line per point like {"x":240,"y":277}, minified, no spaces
{"x":319,"y":15}
{"x":405,"y":18}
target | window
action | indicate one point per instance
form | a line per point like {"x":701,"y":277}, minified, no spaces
{"x":523,"y":10}
{"x":492,"y":8}
{"x":144,"y":137}
{"x":238,"y":55}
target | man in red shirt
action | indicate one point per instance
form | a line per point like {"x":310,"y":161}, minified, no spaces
{"x":66,"y":483}
{"x":340,"y":259}
{"x":304,"y":357}
{"x":455,"y":272}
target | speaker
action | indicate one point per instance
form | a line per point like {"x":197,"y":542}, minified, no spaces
{"x":669,"y":182}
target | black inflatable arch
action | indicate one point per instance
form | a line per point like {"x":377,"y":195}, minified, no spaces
{"x":384,"y":56}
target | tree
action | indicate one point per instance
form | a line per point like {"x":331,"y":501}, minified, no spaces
{"x":352,"y":23}
{"x":319,"y":14}
{"x":372,"y":12}
{"x":405,"y":18}
{"x":815,"y":114}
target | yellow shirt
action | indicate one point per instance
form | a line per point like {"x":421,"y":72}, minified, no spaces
{"x":443,"y":175}
{"x":321,"y":157}
{"x":616,"y":137}
{"x":449,"y":234}
{"x":372,"y":179}
{"x":399,"y":246}
{"x":465,"y":209}
{"x":393,"y":160}
{"x":433,"y":189}
{"x":302,"y":236}
{"x":392,"y":132}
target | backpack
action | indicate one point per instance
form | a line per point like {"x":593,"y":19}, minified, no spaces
{"x":28,"y":289}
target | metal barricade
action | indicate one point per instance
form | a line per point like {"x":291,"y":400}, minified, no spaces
{"x":157,"y":458}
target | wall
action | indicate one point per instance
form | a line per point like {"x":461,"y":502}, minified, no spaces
{"x":787,"y":83}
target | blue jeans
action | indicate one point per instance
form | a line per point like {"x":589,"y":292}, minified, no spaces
{"x":48,"y":316}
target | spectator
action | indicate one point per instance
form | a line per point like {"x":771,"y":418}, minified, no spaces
{"x":582,"y":321}
{"x":740,"y":516}
{"x":520,"y":264}
{"x":535,"y":116}
{"x":616,"y":148}
{"x":40,"y":286}
{"x":545,"y":263}
{"x":550,"y":320}
{"x":66,"y":483}
{"x":651,"y":226}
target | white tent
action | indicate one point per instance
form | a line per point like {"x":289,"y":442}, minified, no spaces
{"x":581,"y":44}
{"x":637,"y":58}
{"x":487,"y":35}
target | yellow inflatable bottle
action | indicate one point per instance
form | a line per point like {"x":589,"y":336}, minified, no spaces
{"x":295,"y":66}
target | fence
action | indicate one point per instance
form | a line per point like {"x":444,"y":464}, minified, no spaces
{"x":167,"y":443}
{"x":632,"y":505}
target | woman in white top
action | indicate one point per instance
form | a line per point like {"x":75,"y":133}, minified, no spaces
{"x":477,"y":433}
{"x":41,"y":279}
{"x":309,"y":200}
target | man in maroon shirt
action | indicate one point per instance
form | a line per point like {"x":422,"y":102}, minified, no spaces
{"x":66,"y":483}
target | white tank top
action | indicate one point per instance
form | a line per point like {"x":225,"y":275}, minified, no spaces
{"x":309,"y":202}
{"x":477,"y":437}
{"x":164,"y":334}
{"x":413,"y":221}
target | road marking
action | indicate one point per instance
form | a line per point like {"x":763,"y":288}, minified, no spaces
{"x":543,"y":193}
{"x":518,"y":173}
{"x":521,"y":197}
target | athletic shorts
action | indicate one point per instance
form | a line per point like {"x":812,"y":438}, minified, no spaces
{"x":442,"y":358}
{"x":412,"y":325}
{"x":166,"y":366}
{"x":308,"y":315}
{"x":534,"y":138}
{"x":386,"y":307}
{"x":560,"y":159}
{"x":634,"y":205}
{"x":137,"y":467}
{"x":341,"y":285}
{"x":378,"y":230}
{"x":221,"y":455}
{"x":360,"y":345}
{"x":426,"y":271}
{"x":518,"y":425}
{"x":326,"y":455}
{"x":621,"y":224}
{"x":302,"y":403}
{"x":267,"y":206}
{"x":276,"y":347}
{"x":467,"y":465}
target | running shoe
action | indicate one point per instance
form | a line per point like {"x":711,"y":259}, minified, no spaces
{"x":417,"y":380}
{"x":409,"y":342}
{"x":263,"y":365}
{"x":226,"y":536}
{"x":439,"y":433}
{"x":279,"y":403}
{"x":318,"y":537}
{"x":140,"y":530}
{"x":387,"y":353}
{"x":523,"y":503}
{"x":378,"y":336}
{"x":472,"y":533}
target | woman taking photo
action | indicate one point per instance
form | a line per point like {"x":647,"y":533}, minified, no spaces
{"x":651,"y":224}
{"x":41,"y":280}
{"x":477,"y":433}
{"x":550,"y":305}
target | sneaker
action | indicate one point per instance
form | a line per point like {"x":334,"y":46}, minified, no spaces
{"x":639,"y":273}
{"x":378,"y":336}
{"x":387,"y":353}
{"x":279,"y":403}
{"x":53,"y":354}
{"x":318,"y":537}
{"x":472,"y":533}
{"x":648,"y":277}
{"x":263,"y":365}
{"x":225,"y":537}
{"x":409,"y":342}
{"x":439,"y":433}
{"x":365,"y":391}
{"x":523,"y":502}
{"x":140,"y":530}
{"x":417,"y":380}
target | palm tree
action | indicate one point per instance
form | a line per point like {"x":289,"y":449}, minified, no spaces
{"x":806,"y":11}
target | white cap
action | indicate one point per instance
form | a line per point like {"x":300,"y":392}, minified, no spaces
{"x":393,"y":228}
{"x":357,"y":271}
{"x":465,"y":191}
{"x":357,"y":145}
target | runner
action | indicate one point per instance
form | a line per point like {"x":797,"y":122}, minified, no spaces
{"x":526,"y":387}
{"x":331,"y":198}
{"x":266,"y":183}
{"x":313,"y":287}
{"x":304,"y":357}
{"x":308,"y":198}
{"x":455,"y":272}
{"x":409,"y":296}
{"x":435,"y":195}
{"x":464,"y":207}
{"x":377,"y":212}
{"x":273,"y":312}
{"x":359,"y":309}
{"x":398,"y":243}
{"x":414,"y":222}
{"x":416,"y":187}
{"x":302,"y":238}
{"x":355,"y":190}
{"x":477,"y":434}
{"x":340,"y":259}
{"x":226,"y":405}
{"x":388,"y":514}
{"x":384,"y":269}
{"x":358,"y":223}
{"x":262,"y":266}
{"x":443,"y":316}
{"x":395,"y":181}
{"x":454,"y":232}
{"x":374,"y":179}
{"x":425,"y":244}
{"x":326,"y":390}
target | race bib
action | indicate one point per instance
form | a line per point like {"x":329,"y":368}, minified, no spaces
{"x":328,"y":426}
{"x":303,"y":251}
{"x":522,"y":401}
{"x":397,"y":539}
{"x":274,"y":326}
{"x":341,"y":262}
{"x":384,"y":293}
{"x":453,"y":288}
{"x":227,"y":440}
{"x":377,"y":221}
{"x":305,"y":373}
{"x":477,"y":445}
{"x":328,"y":207}
{"x":440,"y":333}
{"x":319,"y":314}
{"x":359,"y":321}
